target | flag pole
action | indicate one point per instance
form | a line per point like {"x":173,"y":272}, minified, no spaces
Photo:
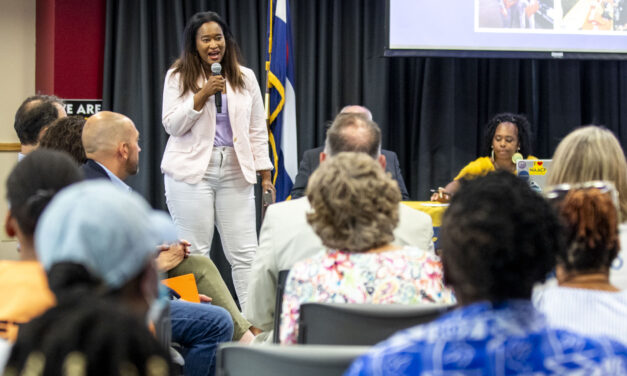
{"x":267,"y":94}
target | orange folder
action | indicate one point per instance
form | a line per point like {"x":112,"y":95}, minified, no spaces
{"x":185,"y":286}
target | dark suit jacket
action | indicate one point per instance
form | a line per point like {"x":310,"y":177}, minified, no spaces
{"x":311,"y":160}
{"x":93,"y":170}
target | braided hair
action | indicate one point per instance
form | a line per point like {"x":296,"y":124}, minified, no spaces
{"x":93,"y":336}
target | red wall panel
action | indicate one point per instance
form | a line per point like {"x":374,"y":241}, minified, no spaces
{"x":77,"y":58}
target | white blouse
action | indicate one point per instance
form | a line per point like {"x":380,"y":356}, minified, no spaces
{"x":590,"y":312}
{"x":618,"y":270}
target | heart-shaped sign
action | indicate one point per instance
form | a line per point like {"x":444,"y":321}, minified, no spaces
{"x":540,"y":163}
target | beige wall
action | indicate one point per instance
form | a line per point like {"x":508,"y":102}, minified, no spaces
{"x":17,"y":75}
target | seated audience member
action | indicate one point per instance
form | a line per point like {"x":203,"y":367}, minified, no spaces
{"x":91,"y":336}
{"x":111,"y":145}
{"x":286,"y":237}
{"x":311,"y":160}
{"x":498,"y":238}
{"x":593,"y":153}
{"x":585,"y":300}
{"x":109,"y":234}
{"x":507,"y":137}
{"x":65,"y":135}
{"x":32,"y":119}
{"x":30,"y":186}
{"x":354,"y":210}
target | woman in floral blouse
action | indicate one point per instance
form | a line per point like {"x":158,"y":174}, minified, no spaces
{"x":354,"y":212}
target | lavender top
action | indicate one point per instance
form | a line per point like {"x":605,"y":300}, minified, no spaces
{"x":224,"y":133}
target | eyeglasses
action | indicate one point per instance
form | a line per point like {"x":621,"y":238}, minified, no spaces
{"x":557,"y":193}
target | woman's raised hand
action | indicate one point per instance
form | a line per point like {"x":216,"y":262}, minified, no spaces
{"x":213,"y":85}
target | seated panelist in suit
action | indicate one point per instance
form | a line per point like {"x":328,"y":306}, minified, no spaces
{"x":287,"y":238}
{"x":311,"y":160}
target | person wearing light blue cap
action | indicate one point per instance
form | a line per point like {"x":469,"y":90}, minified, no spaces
{"x":113,"y":234}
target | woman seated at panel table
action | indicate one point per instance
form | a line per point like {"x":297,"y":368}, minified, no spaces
{"x":507,"y":139}
{"x":354,"y":212}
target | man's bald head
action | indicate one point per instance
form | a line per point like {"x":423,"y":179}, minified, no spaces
{"x":353,"y":132}
{"x":112,"y":140}
{"x":104,"y":131}
{"x":355,"y":109}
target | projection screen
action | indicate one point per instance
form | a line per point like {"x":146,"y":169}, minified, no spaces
{"x":508,"y":28}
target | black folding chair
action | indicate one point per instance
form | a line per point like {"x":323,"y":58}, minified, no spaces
{"x":272,"y":360}
{"x":360,"y":324}
{"x":278,"y":305}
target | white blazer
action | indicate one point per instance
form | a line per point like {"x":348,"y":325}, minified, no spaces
{"x":192,"y":133}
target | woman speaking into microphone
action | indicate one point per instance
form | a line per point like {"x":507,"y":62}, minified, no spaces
{"x":213,"y":154}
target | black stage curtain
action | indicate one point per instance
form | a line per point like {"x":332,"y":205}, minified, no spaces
{"x":431,"y":111}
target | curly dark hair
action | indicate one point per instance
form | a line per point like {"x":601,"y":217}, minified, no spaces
{"x":65,"y":135}
{"x":590,"y":222}
{"x":524,"y":132}
{"x":497,"y":239}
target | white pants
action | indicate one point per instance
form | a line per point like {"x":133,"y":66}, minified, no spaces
{"x":223,"y":198}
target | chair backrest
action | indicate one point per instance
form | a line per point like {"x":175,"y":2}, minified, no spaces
{"x":272,"y":359}
{"x":360,"y":324}
{"x":278,"y":305}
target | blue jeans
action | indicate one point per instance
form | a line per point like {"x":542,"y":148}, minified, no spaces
{"x":199,"y":328}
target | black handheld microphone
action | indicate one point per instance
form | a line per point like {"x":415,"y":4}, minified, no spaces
{"x":216,"y":69}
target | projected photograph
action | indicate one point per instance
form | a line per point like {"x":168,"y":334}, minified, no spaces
{"x":562,"y":15}
{"x":591,"y":15}
{"x":515,"y":14}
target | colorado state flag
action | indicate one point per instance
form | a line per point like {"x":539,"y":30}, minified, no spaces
{"x":282,"y":99}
